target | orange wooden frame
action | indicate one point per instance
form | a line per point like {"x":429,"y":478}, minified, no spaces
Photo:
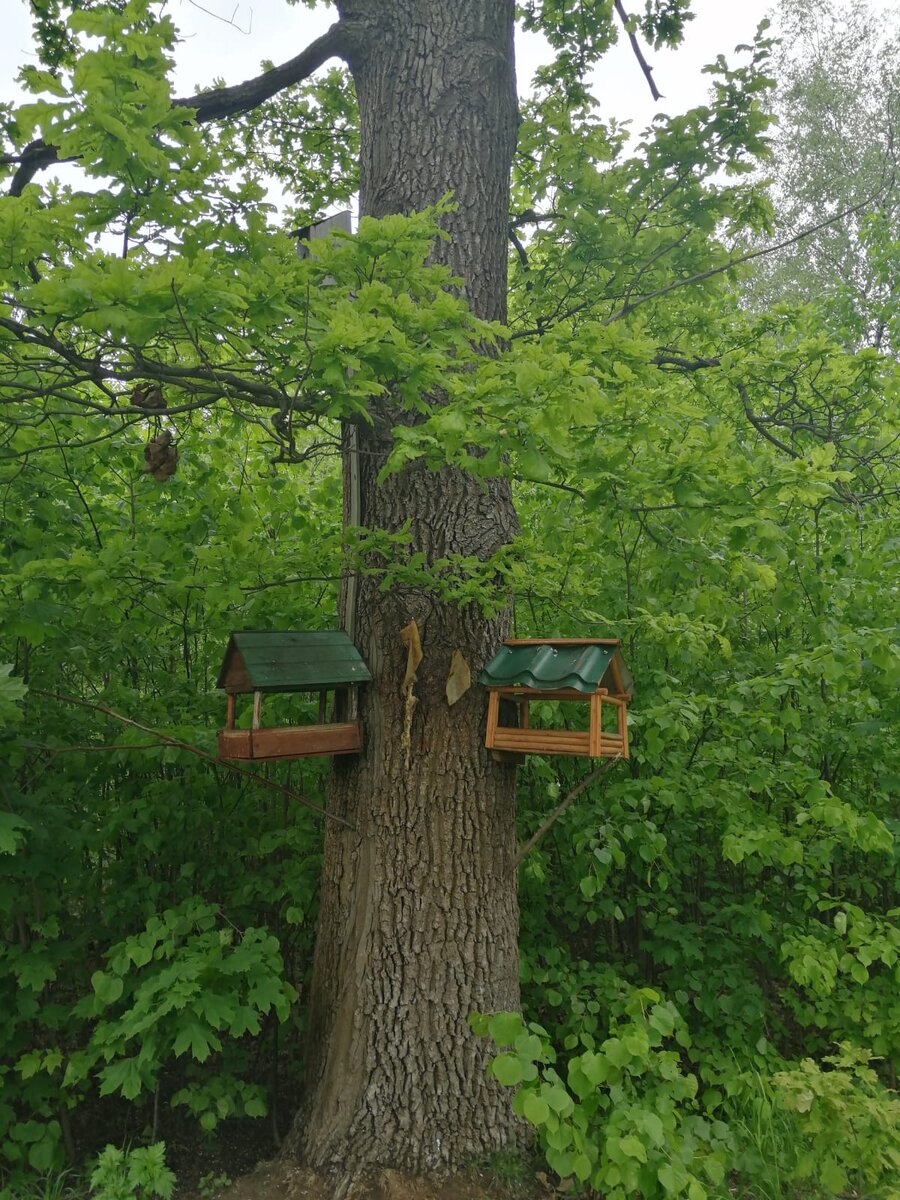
{"x":587,"y":743}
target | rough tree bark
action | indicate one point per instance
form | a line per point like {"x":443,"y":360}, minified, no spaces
{"x":419,"y":921}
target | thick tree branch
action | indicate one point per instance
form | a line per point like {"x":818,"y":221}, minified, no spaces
{"x":520,"y":249}
{"x":242,"y":97}
{"x":759,"y":425}
{"x":679,"y":363}
{"x":213,"y":105}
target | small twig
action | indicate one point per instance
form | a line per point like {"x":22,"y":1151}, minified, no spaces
{"x":186,"y":746}
{"x":226,"y":20}
{"x":545,"y":324}
{"x":740,"y":259}
{"x":111,"y":748}
{"x":563,"y":805}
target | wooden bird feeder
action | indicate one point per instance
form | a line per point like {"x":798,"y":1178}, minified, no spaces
{"x":262,"y":661}
{"x":586,"y":670}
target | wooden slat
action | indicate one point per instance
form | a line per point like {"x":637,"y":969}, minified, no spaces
{"x":291,"y":742}
{"x":516,"y":739}
{"x":527,"y":693}
{"x":562,"y":642}
{"x":555,"y":741}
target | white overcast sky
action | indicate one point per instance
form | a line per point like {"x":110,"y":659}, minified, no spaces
{"x":229,"y":39}
{"x":271,"y":29}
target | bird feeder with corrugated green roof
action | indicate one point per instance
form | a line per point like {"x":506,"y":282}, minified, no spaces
{"x":584,"y":670}
{"x":265,"y":661}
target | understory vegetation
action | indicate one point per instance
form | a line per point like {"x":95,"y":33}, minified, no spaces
{"x":709,"y":932}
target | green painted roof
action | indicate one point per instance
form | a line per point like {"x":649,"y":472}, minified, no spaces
{"x":268,"y":660}
{"x":548,"y":666}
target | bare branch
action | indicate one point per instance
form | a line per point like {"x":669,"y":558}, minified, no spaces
{"x":576,"y":791}
{"x":741,"y":258}
{"x":638,"y":52}
{"x":242,"y":97}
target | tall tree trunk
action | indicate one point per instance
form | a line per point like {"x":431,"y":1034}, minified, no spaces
{"x":419,"y":921}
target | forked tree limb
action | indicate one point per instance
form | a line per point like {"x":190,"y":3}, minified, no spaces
{"x":213,"y":105}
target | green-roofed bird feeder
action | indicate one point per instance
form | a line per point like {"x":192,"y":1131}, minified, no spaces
{"x":588,"y":670}
{"x":265,"y":661}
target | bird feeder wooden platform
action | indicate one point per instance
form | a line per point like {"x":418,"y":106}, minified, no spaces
{"x":586,"y":670}
{"x":269,"y":661}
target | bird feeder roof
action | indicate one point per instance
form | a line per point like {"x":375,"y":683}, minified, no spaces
{"x":267,"y":660}
{"x":549,"y":665}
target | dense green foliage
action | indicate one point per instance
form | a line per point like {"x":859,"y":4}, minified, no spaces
{"x":711,"y":950}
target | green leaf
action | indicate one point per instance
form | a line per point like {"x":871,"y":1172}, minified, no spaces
{"x":504,"y":1028}
{"x":107,"y":988}
{"x":634,"y":1148}
{"x":673,"y":1177}
{"x":12,"y":832}
{"x":581,"y":1167}
{"x":507,"y":1068}
{"x":535,"y":1109}
{"x":832,"y":1177}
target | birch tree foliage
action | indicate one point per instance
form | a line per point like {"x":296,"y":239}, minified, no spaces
{"x":838,"y":109}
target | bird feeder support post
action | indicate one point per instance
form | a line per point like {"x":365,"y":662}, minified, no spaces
{"x":596,"y":725}
{"x":229,"y":715}
{"x":257,"y":709}
{"x":493,"y":716}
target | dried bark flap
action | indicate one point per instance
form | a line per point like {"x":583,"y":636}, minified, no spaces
{"x":264,"y":660}
{"x":553,"y":665}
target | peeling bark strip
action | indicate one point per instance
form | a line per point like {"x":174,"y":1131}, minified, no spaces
{"x":418,"y":921}
{"x":409,"y":636}
{"x":459,"y":679}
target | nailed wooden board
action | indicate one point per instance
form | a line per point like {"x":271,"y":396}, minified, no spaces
{"x":291,"y":742}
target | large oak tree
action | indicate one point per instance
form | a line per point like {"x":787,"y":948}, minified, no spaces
{"x":418,"y":909}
